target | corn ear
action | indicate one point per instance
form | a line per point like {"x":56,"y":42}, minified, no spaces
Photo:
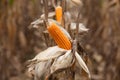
{"x":60,"y":38}
{"x":58,"y":12}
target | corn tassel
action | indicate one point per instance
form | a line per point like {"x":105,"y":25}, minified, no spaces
{"x":58,"y":12}
{"x":60,"y":38}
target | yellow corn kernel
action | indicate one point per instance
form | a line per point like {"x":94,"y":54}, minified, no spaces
{"x":60,"y":38}
{"x":58,"y":12}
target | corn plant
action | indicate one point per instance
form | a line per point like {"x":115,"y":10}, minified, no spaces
{"x":62,"y":56}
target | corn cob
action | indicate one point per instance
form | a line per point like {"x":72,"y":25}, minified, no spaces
{"x":60,"y":38}
{"x":58,"y":12}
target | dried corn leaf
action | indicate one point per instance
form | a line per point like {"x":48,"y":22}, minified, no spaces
{"x":63,"y":61}
{"x":78,"y":2}
{"x":48,"y":52}
{"x":57,"y":54}
{"x":36,"y":22}
{"x":50,"y":15}
{"x":82,"y":28}
{"x":38,"y":69}
{"x":40,"y":20}
{"x":82,"y":64}
{"x":41,"y":68}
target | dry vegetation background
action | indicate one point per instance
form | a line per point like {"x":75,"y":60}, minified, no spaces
{"x":18,"y":42}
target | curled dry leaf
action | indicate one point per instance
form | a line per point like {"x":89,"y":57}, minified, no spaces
{"x":46,"y":58}
{"x":63,"y":61}
{"x":82,"y":28}
{"x":41,"y":68}
{"x":49,"y":53}
{"x":40,"y":64}
{"x":77,"y":2}
{"x":36,"y":23}
{"x":50,"y":15}
{"x":82,"y":64}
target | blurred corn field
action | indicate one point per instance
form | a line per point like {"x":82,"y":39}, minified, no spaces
{"x":19,"y":42}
